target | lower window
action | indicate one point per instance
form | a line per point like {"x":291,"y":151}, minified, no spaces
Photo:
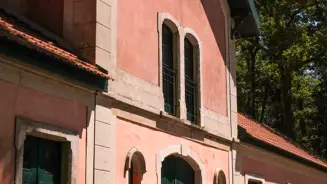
{"x":176,"y":170}
{"x":254,"y":182}
{"x":44,"y":161}
{"x":254,"y":179}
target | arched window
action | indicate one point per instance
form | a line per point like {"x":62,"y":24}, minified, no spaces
{"x":135,"y":166}
{"x":191,"y":88}
{"x":253,"y":179}
{"x":169,"y":69}
{"x":220,"y":177}
{"x":176,"y":170}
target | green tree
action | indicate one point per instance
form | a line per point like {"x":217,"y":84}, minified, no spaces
{"x":282,"y":75}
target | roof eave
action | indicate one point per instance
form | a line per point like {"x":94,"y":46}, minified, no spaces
{"x":246,"y":18}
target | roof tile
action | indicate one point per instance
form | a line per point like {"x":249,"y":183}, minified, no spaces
{"x":266,"y":134}
{"x":12,"y":28}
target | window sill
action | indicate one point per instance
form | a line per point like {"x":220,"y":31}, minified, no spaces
{"x":164,"y":115}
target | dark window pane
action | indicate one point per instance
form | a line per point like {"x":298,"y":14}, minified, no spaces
{"x":176,"y":170}
{"x":169,"y":75}
{"x":254,"y":182}
{"x":189,"y":59}
{"x":130,"y":173}
{"x":190,"y":82}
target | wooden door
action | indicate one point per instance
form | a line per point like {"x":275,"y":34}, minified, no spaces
{"x":42,"y":161}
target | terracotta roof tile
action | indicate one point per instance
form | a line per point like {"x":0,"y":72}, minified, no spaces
{"x":266,"y":134}
{"x":11,"y":28}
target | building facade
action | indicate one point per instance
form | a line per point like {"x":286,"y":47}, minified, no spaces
{"x":120,"y":91}
{"x":51,"y":91}
{"x":176,"y":114}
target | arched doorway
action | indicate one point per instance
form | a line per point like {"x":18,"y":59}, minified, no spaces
{"x":175,"y":170}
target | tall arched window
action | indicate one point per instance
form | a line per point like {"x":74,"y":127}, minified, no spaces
{"x":176,"y":170}
{"x":190,"y":65}
{"x":168,"y":70}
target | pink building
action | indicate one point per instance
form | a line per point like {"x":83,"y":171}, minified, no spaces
{"x":123,"y":92}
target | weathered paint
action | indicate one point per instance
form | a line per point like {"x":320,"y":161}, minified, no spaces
{"x":138,"y":44}
{"x":151,"y":141}
{"x":20,"y":101}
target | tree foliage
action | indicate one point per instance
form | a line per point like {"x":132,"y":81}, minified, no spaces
{"x":282,"y":75}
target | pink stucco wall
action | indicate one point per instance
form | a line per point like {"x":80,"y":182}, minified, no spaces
{"x":138,"y":41}
{"x":151,"y":141}
{"x":278,"y":174}
{"x":19,"y":101}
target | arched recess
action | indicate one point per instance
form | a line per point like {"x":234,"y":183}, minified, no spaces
{"x":135,"y":166}
{"x":185,"y":153}
{"x":191,"y":35}
{"x":220,"y":177}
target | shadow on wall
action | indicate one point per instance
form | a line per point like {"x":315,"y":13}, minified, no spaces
{"x":8,"y":161}
{"x":216,"y":18}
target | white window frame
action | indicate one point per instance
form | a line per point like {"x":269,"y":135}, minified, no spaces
{"x":141,"y":165}
{"x":173,"y":24}
{"x":216,"y":176}
{"x":191,"y":35}
{"x":254,"y":177}
{"x":189,"y":156}
{"x":26,"y":127}
{"x":182,"y":33}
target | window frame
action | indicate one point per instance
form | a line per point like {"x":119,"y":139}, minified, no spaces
{"x":191,"y":35}
{"x":181,"y":111}
{"x":191,"y":83}
{"x":26,"y":127}
{"x":172,"y":23}
{"x":191,"y":157}
{"x":173,"y":69}
{"x":134,"y":163}
{"x":254,"y":178}
{"x":219,"y":173}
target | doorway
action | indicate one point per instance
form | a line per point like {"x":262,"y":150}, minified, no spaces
{"x":42,"y":161}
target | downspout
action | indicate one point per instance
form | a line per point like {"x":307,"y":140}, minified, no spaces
{"x":95,"y":104}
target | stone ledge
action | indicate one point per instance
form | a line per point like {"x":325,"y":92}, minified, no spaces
{"x":135,"y":106}
{"x":175,"y":119}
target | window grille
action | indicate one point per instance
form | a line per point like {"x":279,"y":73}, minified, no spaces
{"x":168,"y":70}
{"x":190,"y":81}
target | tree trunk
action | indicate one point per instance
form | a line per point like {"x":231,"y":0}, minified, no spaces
{"x":286,"y":101}
{"x":264,"y":103}
{"x":252,"y":89}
